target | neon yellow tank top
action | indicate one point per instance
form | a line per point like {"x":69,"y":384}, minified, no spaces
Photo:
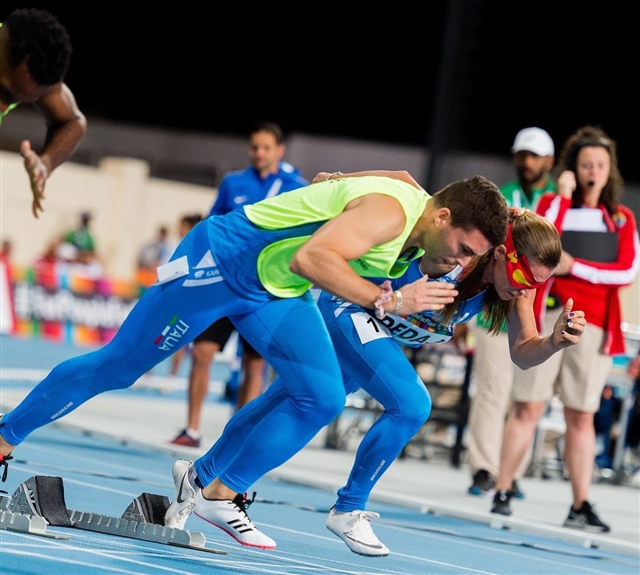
{"x":319,"y":203}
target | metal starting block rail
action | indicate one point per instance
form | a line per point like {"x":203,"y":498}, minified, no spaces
{"x":39,"y":502}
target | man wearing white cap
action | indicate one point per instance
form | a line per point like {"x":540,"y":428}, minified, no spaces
{"x":533,"y":159}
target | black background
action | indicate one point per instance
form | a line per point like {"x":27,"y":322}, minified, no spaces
{"x":370,"y":73}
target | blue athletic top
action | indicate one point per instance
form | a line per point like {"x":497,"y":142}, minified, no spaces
{"x":253,"y":247}
{"x":418,"y":328}
{"x":244,"y":187}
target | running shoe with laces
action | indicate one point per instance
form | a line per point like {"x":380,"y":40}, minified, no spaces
{"x":516,"y":491}
{"x":186,"y":439}
{"x":501,"y":501}
{"x":4,"y":465}
{"x":184,"y":499}
{"x":586,"y":518}
{"x":354,"y":528}
{"x":231,"y":516}
{"x":482,"y":484}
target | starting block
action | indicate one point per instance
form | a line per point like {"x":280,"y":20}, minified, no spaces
{"x":39,"y":502}
{"x":22,"y":512}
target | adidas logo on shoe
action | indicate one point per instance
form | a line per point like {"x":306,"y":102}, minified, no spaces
{"x":231,"y":516}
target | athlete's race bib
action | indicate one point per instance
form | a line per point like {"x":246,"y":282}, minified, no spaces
{"x":412,"y":331}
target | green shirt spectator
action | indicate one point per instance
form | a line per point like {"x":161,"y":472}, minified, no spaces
{"x":81,"y":238}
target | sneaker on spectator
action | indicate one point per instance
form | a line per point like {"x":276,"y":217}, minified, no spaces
{"x":231,"y":516}
{"x":187,"y":439}
{"x":501,"y":502}
{"x":482,"y":484}
{"x":515,"y":490}
{"x":586,"y":518}
{"x":354,"y":528}
{"x":184,"y":499}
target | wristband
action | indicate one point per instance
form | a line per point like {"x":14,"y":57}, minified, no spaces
{"x":333,"y":174}
{"x":399,"y":306}
{"x":385,"y":297}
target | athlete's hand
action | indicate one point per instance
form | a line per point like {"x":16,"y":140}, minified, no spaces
{"x":569,"y":326}
{"x":320,"y":177}
{"x":423,"y":295}
{"x":38,"y":174}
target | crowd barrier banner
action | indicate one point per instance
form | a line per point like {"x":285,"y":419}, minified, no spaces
{"x":7,"y":314}
{"x":55,"y":301}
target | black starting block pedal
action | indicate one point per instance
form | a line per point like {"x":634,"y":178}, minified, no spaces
{"x":39,"y":502}
{"x":42,"y":495}
{"x":147,"y":508}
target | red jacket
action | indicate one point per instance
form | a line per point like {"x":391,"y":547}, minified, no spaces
{"x":594,"y":286}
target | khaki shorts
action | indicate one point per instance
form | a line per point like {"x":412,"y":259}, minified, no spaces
{"x":577,"y":374}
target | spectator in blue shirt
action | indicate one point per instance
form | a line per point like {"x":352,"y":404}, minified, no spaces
{"x":267,"y":176}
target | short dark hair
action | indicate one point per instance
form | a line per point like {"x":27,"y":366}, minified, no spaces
{"x":191,"y":219}
{"x":37,"y":38}
{"x":270,"y":127}
{"x":476,"y":203}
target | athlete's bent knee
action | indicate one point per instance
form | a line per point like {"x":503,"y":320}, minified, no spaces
{"x":416,"y":412}
{"x":323,"y":409}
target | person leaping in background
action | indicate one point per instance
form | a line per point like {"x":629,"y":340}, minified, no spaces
{"x":35,"y":54}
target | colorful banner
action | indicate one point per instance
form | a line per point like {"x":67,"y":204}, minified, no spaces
{"x":56,"y":302}
{"x":7,"y":315}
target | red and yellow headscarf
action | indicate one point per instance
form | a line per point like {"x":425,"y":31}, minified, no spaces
{"x":518,"y":270}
